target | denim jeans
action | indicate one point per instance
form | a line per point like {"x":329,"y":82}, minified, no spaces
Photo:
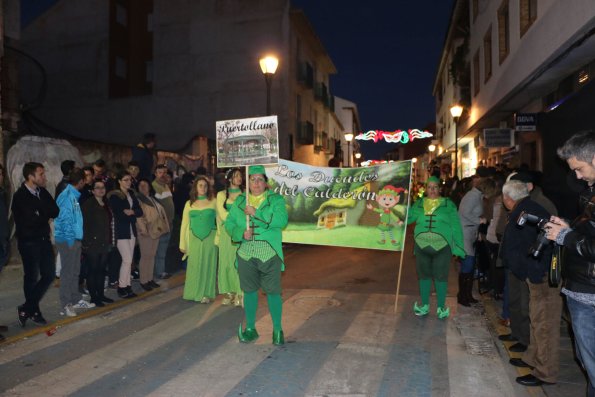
{"x":583,"y":324}
{"x":161,"y":254}
{"x":468,"y":264}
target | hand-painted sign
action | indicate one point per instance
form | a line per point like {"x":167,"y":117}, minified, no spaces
{"x":247,"y":142}
{"x":348,"y":207}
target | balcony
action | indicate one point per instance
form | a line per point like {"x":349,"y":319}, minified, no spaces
{"x":305,"y":133}
{"x":321,"y":93}
{"x":305,"y":74}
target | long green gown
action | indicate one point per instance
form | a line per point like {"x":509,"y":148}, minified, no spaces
{"x":229,"y":280}
{"x":197,"y":238}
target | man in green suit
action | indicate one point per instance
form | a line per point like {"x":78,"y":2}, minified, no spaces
{"x":260,"y":255}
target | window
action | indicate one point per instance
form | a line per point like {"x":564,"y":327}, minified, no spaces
{"x":487,"y":54}
{"x":121,"y":67}
{"x":149,"y":68}
{"x":475,"y":6}
{"x":476,"y":73}
{"x":528,"y":14}
{"x":121,"y":15}
{"x":503,"y":31}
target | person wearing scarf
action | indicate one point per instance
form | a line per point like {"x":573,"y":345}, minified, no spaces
{"x":438,"y":236}
{"x":259,"y":257}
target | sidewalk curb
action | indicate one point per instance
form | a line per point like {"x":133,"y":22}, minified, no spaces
{"x":499,"y":329}
{"x":173,"y":282}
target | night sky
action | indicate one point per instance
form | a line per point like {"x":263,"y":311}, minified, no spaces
{"x":386,"y":54}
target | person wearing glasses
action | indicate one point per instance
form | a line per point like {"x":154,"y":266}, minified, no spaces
{"x":438,"y":236}
{"x":98,"y":238}
{"x":197,"y":242}
{"x":126,"y":209}
{"x":260,"y":256}
{"x":229,"y":280}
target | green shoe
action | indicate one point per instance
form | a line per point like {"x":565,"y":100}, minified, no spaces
{"x":443,"y":312}
{"x":421,"y":310}
{"x":278,"y":338}
{"x":249,"y":335}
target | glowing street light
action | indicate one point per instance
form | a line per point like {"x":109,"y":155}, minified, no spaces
{"x":348,"y":139}
{"x":456,"y":111}
{"x":268,"y":65}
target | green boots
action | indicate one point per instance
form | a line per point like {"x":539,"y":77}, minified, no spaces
{"x":443,"y":312}
{"x":421,"y":310}
{"x":249,"y":335}
{"x":278,"y":338}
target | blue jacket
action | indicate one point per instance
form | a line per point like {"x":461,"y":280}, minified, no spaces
{"x":68,"y":226}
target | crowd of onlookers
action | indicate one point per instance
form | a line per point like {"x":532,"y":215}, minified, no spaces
{"x":515,"y":245}
{"x":110,"y":226}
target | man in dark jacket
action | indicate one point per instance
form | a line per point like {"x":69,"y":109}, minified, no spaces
{"x":32,"y":208}
{"x":578,"y":263}
{"x":545,"y":303}
{"x":142,"y":154}
{"x":4,"y":234}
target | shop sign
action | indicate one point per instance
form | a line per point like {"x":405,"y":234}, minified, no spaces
{"x":525,"y":121}
{"x":498,"y":137}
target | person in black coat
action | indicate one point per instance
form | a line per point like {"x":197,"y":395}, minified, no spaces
{"x":126,"y":209}
{"x":32,"y":209}
{"x":142,"y":155}
{"x":98,"y":238}
{"x":530,"y":270}
{"x":4,"y":234}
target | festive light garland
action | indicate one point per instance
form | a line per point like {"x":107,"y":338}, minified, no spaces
{"x":399,"y":136}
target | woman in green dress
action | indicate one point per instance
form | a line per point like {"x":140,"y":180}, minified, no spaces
{"x":197,"y":242}
{"x":229,"y":280}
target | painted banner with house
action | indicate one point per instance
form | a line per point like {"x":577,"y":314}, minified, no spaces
{"x":247,"y":141}
{"x":364,"y":207}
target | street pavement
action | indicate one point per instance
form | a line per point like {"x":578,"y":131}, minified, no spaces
{"x":343,"y":337}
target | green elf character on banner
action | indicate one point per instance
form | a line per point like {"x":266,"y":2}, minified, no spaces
{"x":387,"y":198}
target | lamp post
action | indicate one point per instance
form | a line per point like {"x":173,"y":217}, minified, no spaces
{"x":268,"y":65}
{"x":358,"y":156}
{"x":431,"y":148}
{"x":348,"y":139}
{"x":456,"y":111}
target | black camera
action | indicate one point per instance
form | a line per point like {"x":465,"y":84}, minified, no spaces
{"x":542,"y":242}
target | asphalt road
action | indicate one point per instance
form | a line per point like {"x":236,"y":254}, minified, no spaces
{"x":343,"y":339}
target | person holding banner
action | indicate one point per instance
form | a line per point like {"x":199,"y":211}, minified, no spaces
{"x":260,"y":257}
{"x":197,"y":242}
{"x":229,"y":281}
{"x":438,"y":236}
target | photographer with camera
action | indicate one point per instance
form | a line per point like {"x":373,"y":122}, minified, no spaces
{"x":528,"y":256}
{"x":578,"y":260}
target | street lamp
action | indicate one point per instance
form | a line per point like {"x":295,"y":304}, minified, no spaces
{"x":348,"y":138}
{"x":268,"y":65}
{"x":358,"y":156}
{"x":455,"y":112}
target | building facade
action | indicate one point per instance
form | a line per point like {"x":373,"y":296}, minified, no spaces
{"x":114,"y":70}
{"x":512,"y":64}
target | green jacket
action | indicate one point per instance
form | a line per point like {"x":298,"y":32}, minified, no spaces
{"x":268,"y":222}
{"x":444,"y":221}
